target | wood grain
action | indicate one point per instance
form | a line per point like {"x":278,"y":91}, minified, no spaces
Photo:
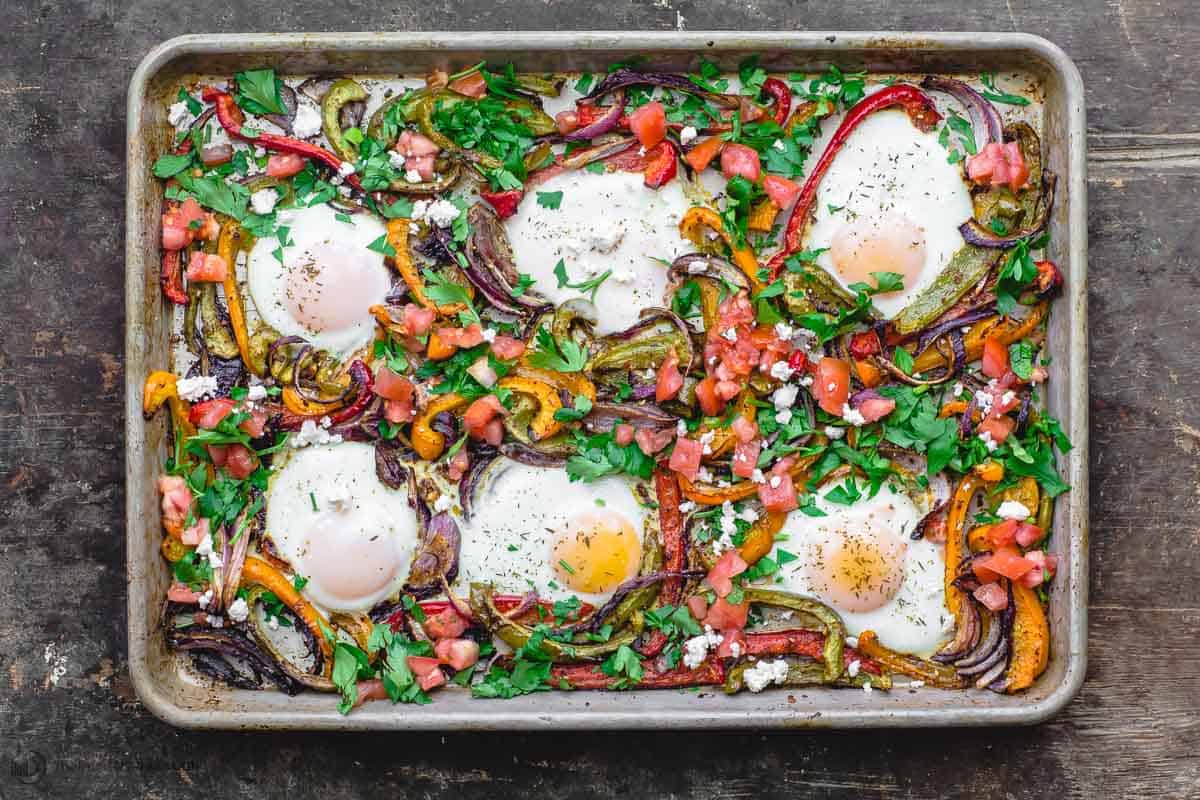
{"x":65,"y":698}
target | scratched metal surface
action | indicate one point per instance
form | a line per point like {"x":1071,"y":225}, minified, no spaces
{"x":69,"y":724}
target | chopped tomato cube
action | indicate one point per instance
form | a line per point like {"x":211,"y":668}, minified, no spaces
{"x":993,"y":596}
{"x":998,"y":428}
{"x":480,"y":416}
{"x":874,"y":409}
{"x":392,"y":386}
{"x":670,"y":381}
{"x":720,"y":577}
{"x":831,"y":384}
{"x":1003,"y":533}
{"x":284,"y":165}
{"x":431,"y":680}
{"x":507,"y":348}
{"x":1006,"y":561}
{"x":206,"y":267}
{"x":446,"y":624}
{"x":706,"y":393}
{"x":461,"y":337}
{"x":422,"y":665}
{"x":457,"y":653}
{"x":995,"y":357}
{"x":209,"y":413}
{"x":472,"y":85}
{"x":623,"y":434}
{"x":661,"y":165}
{"x":649,"y":124}
{"x":745,"y":458}
{"x":685,"y":458}
{"x":738,"y":159}
{"x":240,"y":461}
{"x":255,"y":424}
{"x":417,"y":320}
{"x":744,"y":429}
{"x":398,"y":412}
{"x":1028,"y":535}
{"x":778,"y":493}
{"x":651,"y":440}
{"x":782,"y":191}
{"x":723,"y":615}
{"x":702,"y":154}
{"x":697,"y":606}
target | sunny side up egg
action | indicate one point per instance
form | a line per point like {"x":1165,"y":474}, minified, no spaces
{"x":536,"y":529}
{"x":326,"y":281}
{"x":890,"y":202}
{"x":861,"y":560}
{"x":332,"y":519}
{"x":607,"y":221}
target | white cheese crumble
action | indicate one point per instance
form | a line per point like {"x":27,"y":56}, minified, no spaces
{"x":197,"y":388}
{"x":958,"y":389}
{"x":853,"y":668}
{"x":696,"y":648}
{"x":337,"y":498}
{"x":775,"y":481}
{"x":986,"y":438}
{"x":489,"y":334}
{"x":853,"y":415}
{"x":697,"y":267}
{"x":834,"y":432}
{"x":307,"y":122}
{"x":687,"y":507}
{"x":412,"y":176}
{"x":681,"y":428}
{"x":784,"y":396}
{"x":764,"y":673}
{"x":443,"y":503}
{"x":239,"y":610}
{"x":729,"y":334}
{"x":205,"y":549}
{"x":256,"y":392}
{"x":309,"y":433}
{"x":757,"y":476}
{"x":688,"y":135}
{"x":806,"y":381}
{"x":345,"y":169}
{"x":780,"y":371}
{"x":179,"y":116}
{"x":984,"y":401}
{"x":1007,"y":398}
{"x":1013,"y":509}
{"x":263,"y":201}
{"x":784,"y":331}
{"x":437,"y":212}
{"x":779,"y":145}
{"x":204,"y":599}
{"x":398,"y":162}
{"x":706,"y":440}
{"x":868,"y":688}
{"x":783,"y":417}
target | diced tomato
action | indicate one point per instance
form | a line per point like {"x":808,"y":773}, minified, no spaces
{"x":702,"y":154}
{"x":1003,"y":400}
{"x":697,"y":606}
{"x":733,"y":643}
{"x":831,"y":384}
{"x":206,"y":267}
{"x":194,"y":534}
{"x":1044,"y":568}
{"x":480,"y":414}
{"x":999,"y":165}
{"x":670,"y":381}
{"x":651,"y":440}
{"x":446,"y":624}
{"x":744,"y":429}
{"x":411,"y":143}
{"x":190,"y":211}
{"x":174,"y":235}
{"x":706,"y":393}
{"x":255,"y":425}
{"x":735,"y":310}
{"x":1003,"y":533}
{"x":431,"y":680}
{"x":472,"y":85}
{"x":217,"y":453}
{"x":685,"y":458}
{"x":392,"y":386}
{"x":178,"y":593}
{"x":649,"y":124}
{"x":661,"y":165}
{"x":720,"y":577}
{"x":507,"y":348}
{"x":745,"y":458}
{"x":457,"y":653}
{"x":738,"y":159}
{"x":874,"y":409}
{"x":864,"y":344}
{"x":417,"y":320}
{"x":461,"y":337}
{"x":422,"y":665}
{"x":1006,"y":561}
{"x":240,"y":462}
{"x":778,"y":497}
{"x":284,"y":165}
{"x":1018,"y":170}
{"x":505,"y":203}
{"x":998,"y":428}
{"x":458,"y":465}
{"x":782,"y":191}
{"x":1048,"y":276}
{"x":398,"y":412}
{"x":723,"y":615}
{"x":995,"y":357}
{"x":1028,"y":535}
{"x":209,"y":413}
{"x":566,"y":121}
{"x":623,"y":434}
{"x":493,"y":432}
{"x":993,"y":596}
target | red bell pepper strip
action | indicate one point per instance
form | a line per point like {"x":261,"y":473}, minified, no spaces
{"x":172,"y":277}
{"x":232,"y":118}
{"x":505,"y":604}
{"x":505,"y":202}
{"x":782,"y":95}
{"x":366,"y":385}
{"x":920,"y":110}
{"x":661,"y":165}
{"x":589,"y":676}
{"x":801,"y":642}
{"x":671,"y":525}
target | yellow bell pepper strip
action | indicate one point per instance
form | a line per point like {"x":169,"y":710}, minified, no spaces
{"x":941,"y":676}
{"x":574,"y":382}
{"x":159,"y":389}
{"x":960,"y":504}
{"x":257,"y":571}
{"x":543,"y":425}
{"x":990,"y":471}
{"x":762,"y":216}
{"x":428,"y":443}
{"x":397,"y":238}
{"x":698,"y":219}
{"x":1030,"y":639}
{"x":761,"y":537}
{"x":304,"y":407}
{"x":1003,"y":329}
{"x":173,"y":549}
{"x":977,"y":538}
{"x":228,"y":245}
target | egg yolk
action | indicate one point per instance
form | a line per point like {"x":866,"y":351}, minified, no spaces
{"x":861,"y":573}
{"x":329,"y":289}
{"x":347,"y":565}
{"x":892,"y":243}
{"x":596,"y":552}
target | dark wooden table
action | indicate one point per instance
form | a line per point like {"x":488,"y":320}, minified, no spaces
{"x":70,"y":725}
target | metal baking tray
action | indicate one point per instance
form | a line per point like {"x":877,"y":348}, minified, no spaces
{"x":166,"y":687}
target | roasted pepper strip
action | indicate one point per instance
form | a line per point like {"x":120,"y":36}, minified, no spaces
{"x":673,"y":530}
{"x":835,"y":631}
{"x":543,"y":425}
{"x":921,"y":111}
{"x":966,"y":268}
{"x":707,"y":495}
{"x":574,"y":382}
{"x":159,"y":389}
{"x":257,"y":571}
{"x":232,"y":120}
{"x":960,"y":503}
{"x":172,"y":277}
{"x":227,"y":248}
{"x":941,"y":676}
{"x":588,"y":676}
{"x":761,"y":537}
{"x":781,"y":93}
{"x":339,"y":94}
{"x":699,"y":218}
{"x":802,"y":642}
{"x":762,"y":216}
{"x":428,"y":443}
{"x":397,"y":238}
{"x":1030,"y":639}
{"x":1004,"y":329}
{"x":806,"y":674}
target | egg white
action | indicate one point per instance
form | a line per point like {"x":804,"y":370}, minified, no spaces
{"x":337,"y":524}
{"x":888,"y":166}
{"x":608,"y":221}
{"x":331,"y":256}
{"x":915,"y":620}
{"x":518,"y":509}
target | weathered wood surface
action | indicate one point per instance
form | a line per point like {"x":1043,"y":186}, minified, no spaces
{"x":69,"y":723}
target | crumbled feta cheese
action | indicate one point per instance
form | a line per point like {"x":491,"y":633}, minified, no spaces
{"x":326,"y":422}
{"x":307,"y":122}
{"x":259,"y":151}
{"x":436,"y":212}
{"x":688,"y":134}
{"x":764,"y":673}
{"x":397,"y":160}
{"x":784,"y":331}
{"x":778,"y":145}
{"x":706,"y":440}
{"x":984,"y":401}
{"x":853,"y":668}
{"x":263,"y":201}
{"x":681,"y":428}
{"x":1013,"y":509}
{"x":1007,"y":398}
{"x":205,"y":549}
{"x":806,"y":381}
{"x":780,"y":371}
{"x":337,"y":497}
{"x":695,"y":650}
{"x":642,"y":150}
{"x":853,"y":415}
{"x":309,"y":433}
{"x":256,"y":392}
{"x":412,"y":176}
{"x":704,"y":475}
{"x":986,"y":438}
{"x":832,"y":387}
{"x":696,"y":267}
{"x":729,"y":334}
{"x":197,"y":388}
{"x":775,"y":481}
{"x":205,"y":598}
{"x":757,"y":476}
{"x":687,"y":507}
{"x":783,"y":417}
{"x":179,"y":116}
{"x":915,"y":684}
{"x":345,"y":169}
{"x":735,"y":649}
{"x":834,"y":432}
{"x":958,"y":389}
{"x":239,"y":610}
{"x":216,"y":621}
{"x":784,"y":396}
{"x":852,"y":641}
{"x":748,"y":515}
{"x":443,"y":503}
{"x":489,"y":334}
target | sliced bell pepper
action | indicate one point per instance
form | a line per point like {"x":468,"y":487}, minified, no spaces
{"x":700,"y":218}
{"x":428,"y":443}
{"x":172,"y":277}
{"x":942,"y":676}
{"x":661,"y":165}
{"x":543,"y":425}
{"x":339,"y":94}
{"x":257,"y":571}
{"x":781,"y":93}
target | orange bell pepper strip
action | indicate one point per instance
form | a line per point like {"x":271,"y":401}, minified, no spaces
{"x":397,"y":238}
{"x":257,"y":571}
{"x":428,"y":443}
{"x":227,"y":247}
{"x":699,"y":218}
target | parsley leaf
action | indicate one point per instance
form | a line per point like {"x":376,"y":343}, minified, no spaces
{"x":625,"y":665}
{"x":171,"y":164}
{"x":550,"y":200}
{"x":996,"y":95}
{"x":557,"y":356}
{"x":258,"y":91}
{"x":1020,"y":356}
{"x":591,"y":285}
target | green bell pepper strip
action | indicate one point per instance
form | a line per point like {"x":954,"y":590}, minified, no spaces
{"x":339,"y":94}
{"x":835,"y":630}
{"x":966,"y":268}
